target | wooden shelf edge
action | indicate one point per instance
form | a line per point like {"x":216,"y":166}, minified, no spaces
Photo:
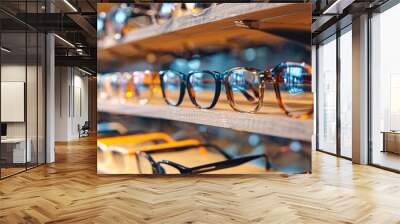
{"x":272,"y":125}
{"x":212,"y":14}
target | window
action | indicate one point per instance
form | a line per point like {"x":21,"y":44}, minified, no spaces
{"x":327,"y":96}
{"x":385,"y":89}
{"x":346,"y":92}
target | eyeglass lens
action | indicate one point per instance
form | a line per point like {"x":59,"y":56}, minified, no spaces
{"x":142,"y":86}
{"x":203,"y":88}
{"x":172,"y":87}
{"x":168,"y":169}
{"x":244,"y":88}
{"x":295,"y":88}
{"x":144,"y":166}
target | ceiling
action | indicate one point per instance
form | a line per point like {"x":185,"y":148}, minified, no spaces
{"x":330,"y":15}
{"x":72,"y":20}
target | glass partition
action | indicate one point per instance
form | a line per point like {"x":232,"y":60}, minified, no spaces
{"x":22,"y":88}
{"x":14,"y":151}
{"x":326,"y":103}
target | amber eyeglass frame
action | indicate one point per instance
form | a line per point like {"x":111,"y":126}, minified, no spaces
{"x":108,"y":146}
{"x":273,"y":76}
{"x":127,"y":90}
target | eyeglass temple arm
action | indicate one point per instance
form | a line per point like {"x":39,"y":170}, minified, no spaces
{"x":182,"y":148}
{"x":225,"y":164}
{"x":136,"y":138}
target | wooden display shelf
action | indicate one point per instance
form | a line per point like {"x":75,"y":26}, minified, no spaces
{"x":214,"y":28}
{"x":278,"y":125}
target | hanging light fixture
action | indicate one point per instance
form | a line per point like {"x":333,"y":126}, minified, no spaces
{"x":5,"y":49}
{"x":64,"y":40}
{"x":70,"y":5}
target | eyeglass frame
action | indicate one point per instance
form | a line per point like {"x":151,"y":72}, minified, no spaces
{"x":228,"y":163}
{"x":185,"y":84}
{"x":106,"y":149}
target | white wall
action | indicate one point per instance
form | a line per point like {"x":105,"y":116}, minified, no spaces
{"x":71,"y":94}
{"x":33,"y":127}
{"x":62,"y":80}
{"x":80,"y":110}
{"x":12,"y":73}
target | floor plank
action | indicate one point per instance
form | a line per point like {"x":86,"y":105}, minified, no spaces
{"x":70,"y":191}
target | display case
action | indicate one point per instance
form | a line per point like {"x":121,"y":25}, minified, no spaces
{"x":391,"y":141}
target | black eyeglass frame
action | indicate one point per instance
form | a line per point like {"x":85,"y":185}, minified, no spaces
{"x":186,"y":84}
{"x":228,"y":163}
{"x":211,"y":166}
{"x":158,"y":170}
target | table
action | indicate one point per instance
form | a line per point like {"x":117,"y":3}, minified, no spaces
{"x":391,"y":141}
{"x":17,"y":150}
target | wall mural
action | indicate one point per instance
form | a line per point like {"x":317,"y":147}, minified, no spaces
{"x":226,"y":96}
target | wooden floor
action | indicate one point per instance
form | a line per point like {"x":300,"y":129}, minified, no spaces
{"x":70,"y":191}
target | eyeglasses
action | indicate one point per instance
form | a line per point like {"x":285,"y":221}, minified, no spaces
{"x":148,"y":165}
{"x":121,"y":160}
{"x":114,"y":154}
{"x":245,"y":88}
{"x":107,"y":147}
{"x":134,"y":139}
{"x":127,"y":17}
{"x":135,"y":87}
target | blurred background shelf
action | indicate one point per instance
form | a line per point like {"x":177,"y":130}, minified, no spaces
{"x":278,"y":125}
{"x":212,"y":30}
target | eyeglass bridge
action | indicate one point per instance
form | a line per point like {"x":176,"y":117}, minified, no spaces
{"x":267,"y":76}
